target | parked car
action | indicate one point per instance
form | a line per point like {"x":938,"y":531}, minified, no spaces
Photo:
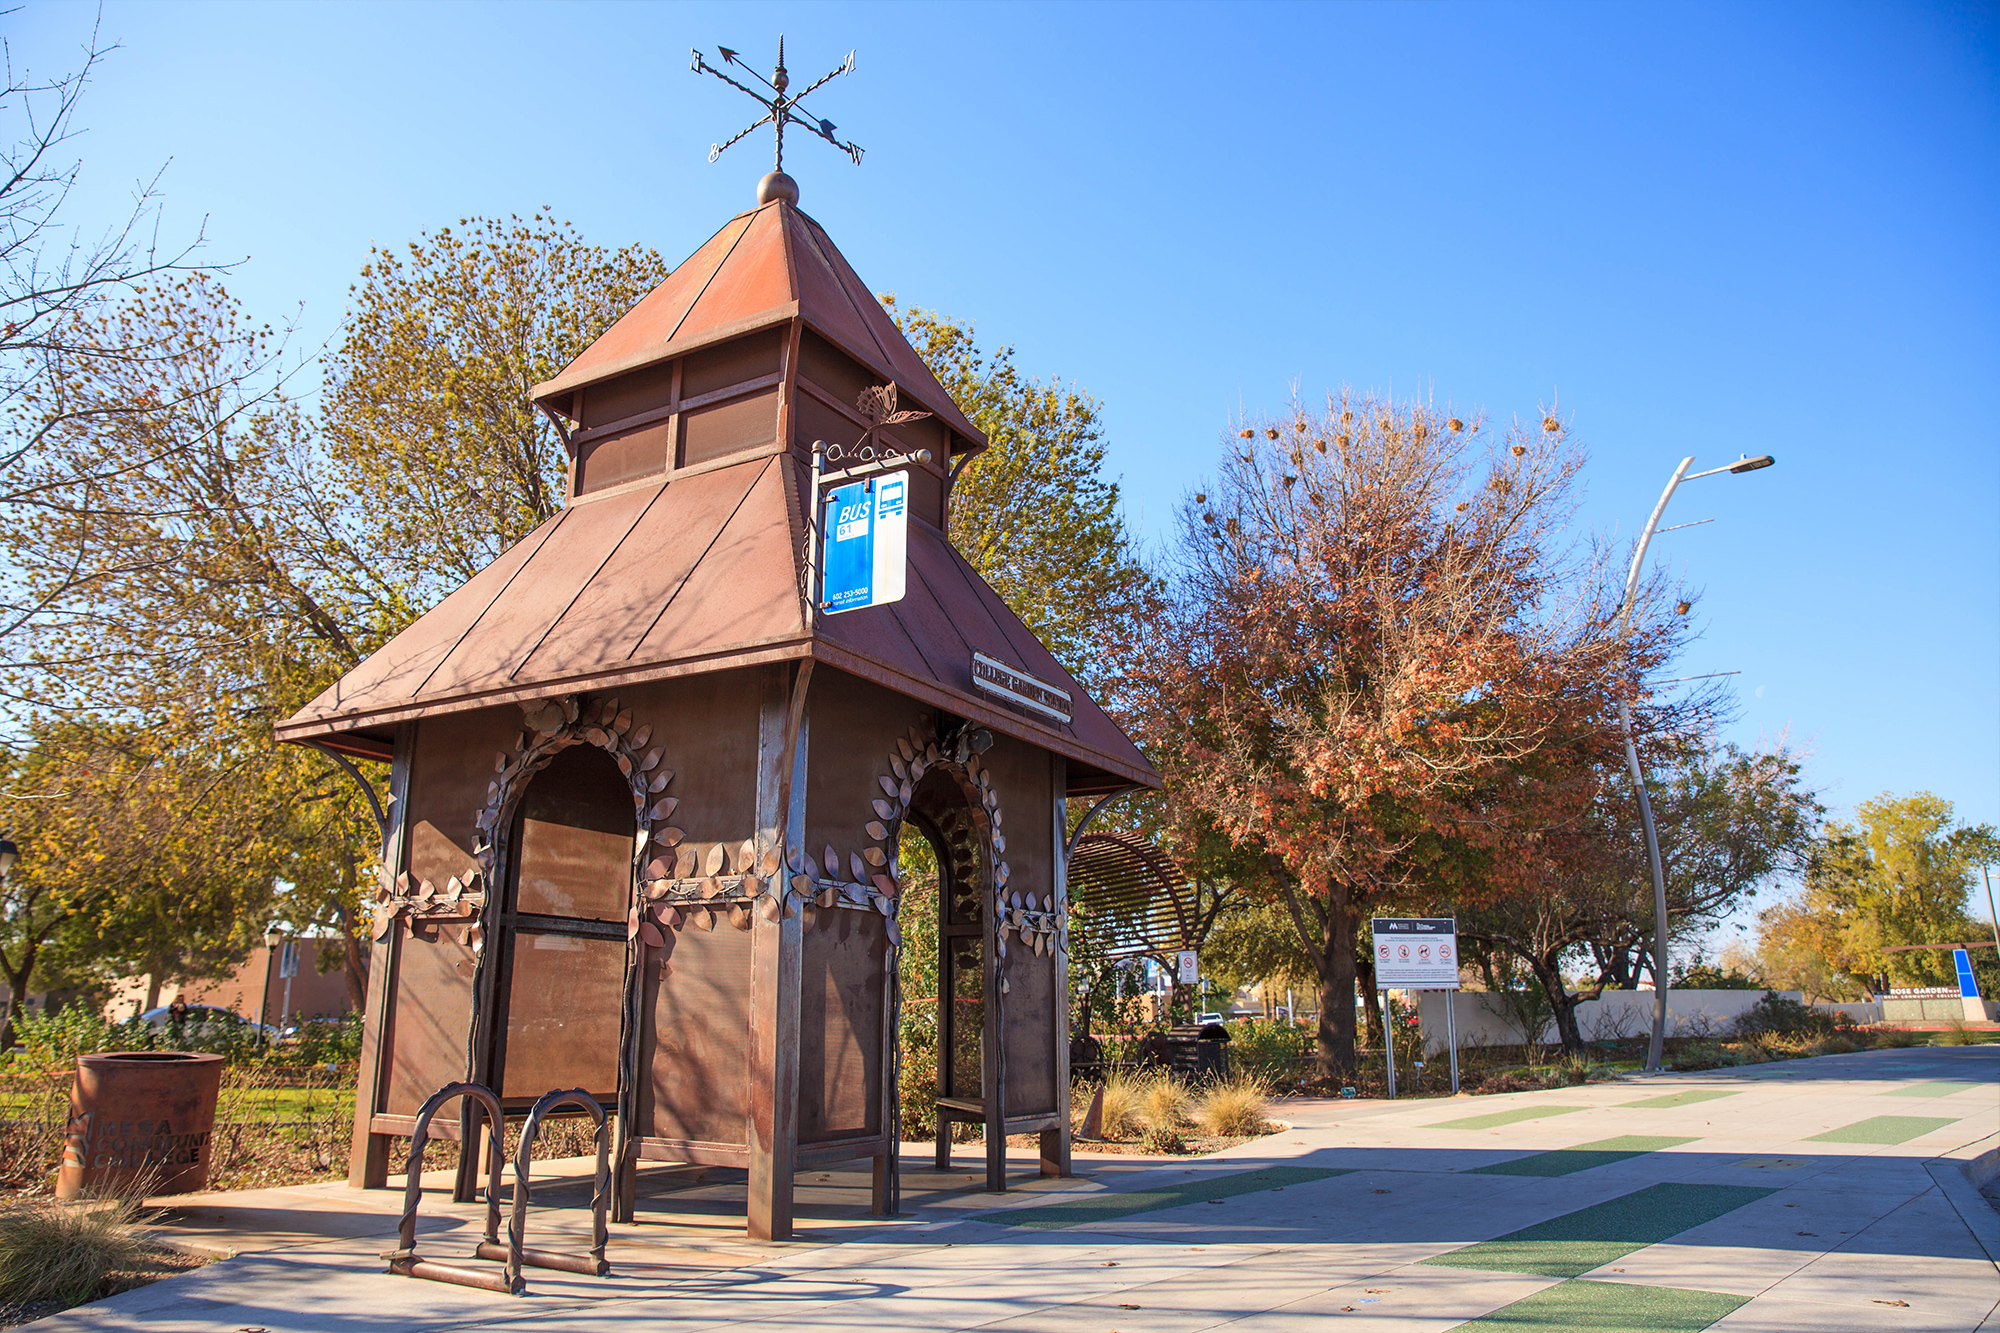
{"x":1211,"y":1018}
{"x":202,"y":1015}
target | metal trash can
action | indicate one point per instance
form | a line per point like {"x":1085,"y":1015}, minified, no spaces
{"x":140,"y":1114}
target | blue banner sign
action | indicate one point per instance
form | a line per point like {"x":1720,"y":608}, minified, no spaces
{"x":865,"y":527}
{"x":1968,"y":985}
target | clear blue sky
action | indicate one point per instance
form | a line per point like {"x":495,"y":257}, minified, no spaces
{"x":1707,"y":229}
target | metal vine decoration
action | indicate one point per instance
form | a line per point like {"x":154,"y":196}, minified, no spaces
{"x":877,"y":405}
{"x":872,"y":876}
{"x":780,"y":110}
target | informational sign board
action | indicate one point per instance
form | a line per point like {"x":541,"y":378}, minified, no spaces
{"x":993,"y":677}
{"x":1968,"y":985}
{"x":1189,"y":967}
{"x":1416,"y":952}
{"x":865,"y":528}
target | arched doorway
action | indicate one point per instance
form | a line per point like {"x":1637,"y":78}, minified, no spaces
{"x":943,"y":852}
{"x":560,"y":948}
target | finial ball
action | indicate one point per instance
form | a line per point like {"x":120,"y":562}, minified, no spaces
{"x":777,"y":185}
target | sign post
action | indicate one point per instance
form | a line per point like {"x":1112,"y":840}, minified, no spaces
{"x":1416,"y":953}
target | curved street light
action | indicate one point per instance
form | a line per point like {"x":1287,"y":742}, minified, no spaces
{"x":1744,"y":464}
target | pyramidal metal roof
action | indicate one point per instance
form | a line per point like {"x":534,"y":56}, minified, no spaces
{"x":766,"y":266}
{"x":702,"y":571}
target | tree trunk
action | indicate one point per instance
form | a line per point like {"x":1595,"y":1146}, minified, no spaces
{"x":17,"y":994}
{"x":1371,"y":998}
{"x":354,"y":963}
{"x":152,"y":992}
{"x":1336,"y":996}
{"x":1326,"y":929}
{"x":1561,"y":1003}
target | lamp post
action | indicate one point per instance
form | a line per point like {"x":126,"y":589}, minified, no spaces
{"x":264,"y":1003}
{"x":1745,"y":464}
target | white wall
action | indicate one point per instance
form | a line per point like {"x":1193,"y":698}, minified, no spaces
{"x":1690,"y":1013}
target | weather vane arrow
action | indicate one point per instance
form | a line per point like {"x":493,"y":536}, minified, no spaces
{"x":780,"y":109}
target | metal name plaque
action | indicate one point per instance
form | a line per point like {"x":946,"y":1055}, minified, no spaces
{"x":1018,"y":687}
{"x":1416,"y":953}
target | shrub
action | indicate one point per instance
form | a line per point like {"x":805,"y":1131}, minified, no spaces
{"x":1507,"y":1080}
{"x":1893,"y":1039}
{"x":58,"y":1038}
{"x":1268,"y":1049}
{"x":1956,"y":1034}
{"x":63,"y":1251}
{"x":1238,"y":1107}
{"x":326,"y":1041}
{"x":1707,"y":1057}
{"x":1161,"y":1139}
{"x":1759,"y":1050}
{"x":1838,"y":1044}
{"x":1781,"y":1015}
{"x":1164,"y":1102}
{"x":1573,"y":1070}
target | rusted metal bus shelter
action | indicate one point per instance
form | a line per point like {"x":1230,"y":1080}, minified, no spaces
{"x":646,"y":799}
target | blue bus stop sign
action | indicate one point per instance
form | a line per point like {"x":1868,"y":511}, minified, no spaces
{"x":864,"y":527}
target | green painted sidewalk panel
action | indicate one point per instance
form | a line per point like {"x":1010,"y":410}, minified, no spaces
{"x":1679,"y":1099}
{"x":1614,"y":1307}
{"x":1499,"y":1118}
{"x":1939,"y":1087}
{"x":1109,"y":1206}
{"x":1884,"y":1129}
{"x":1575,"y":1243}
{"x":1583,"y":1156}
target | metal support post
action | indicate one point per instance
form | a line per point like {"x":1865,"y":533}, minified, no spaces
{"x":1389,"y":1043}
{"x":1451,"y":1036}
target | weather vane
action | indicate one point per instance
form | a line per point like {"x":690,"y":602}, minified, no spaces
{"x":780,"y":110}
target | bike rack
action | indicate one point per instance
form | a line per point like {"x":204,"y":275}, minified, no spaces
{"x":404,"y":1259}
{"x":514,"y":1254}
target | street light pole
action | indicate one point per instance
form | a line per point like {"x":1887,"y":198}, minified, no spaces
{"x":1992,"y":915}
{"x":1655,"y":1049}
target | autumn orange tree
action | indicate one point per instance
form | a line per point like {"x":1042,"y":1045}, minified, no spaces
{"x":1382,"y":663}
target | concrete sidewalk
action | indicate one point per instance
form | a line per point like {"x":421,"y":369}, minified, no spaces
{"x":1828,"y":1194}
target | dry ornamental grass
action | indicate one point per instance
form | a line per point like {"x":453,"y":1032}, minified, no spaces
{"x":1237,"y":1108}
{"x":55,"y":1254}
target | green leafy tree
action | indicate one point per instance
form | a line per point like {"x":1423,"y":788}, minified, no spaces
{"x":190,"y":555}
{"x":139,"y":856}
{"x":1034,"y":513}
{"x":427,"y":417}
{"x":1902,"y":874}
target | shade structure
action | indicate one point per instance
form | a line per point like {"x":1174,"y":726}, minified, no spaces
{"x":1133,"y":897}
{"x":647,"y":802}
